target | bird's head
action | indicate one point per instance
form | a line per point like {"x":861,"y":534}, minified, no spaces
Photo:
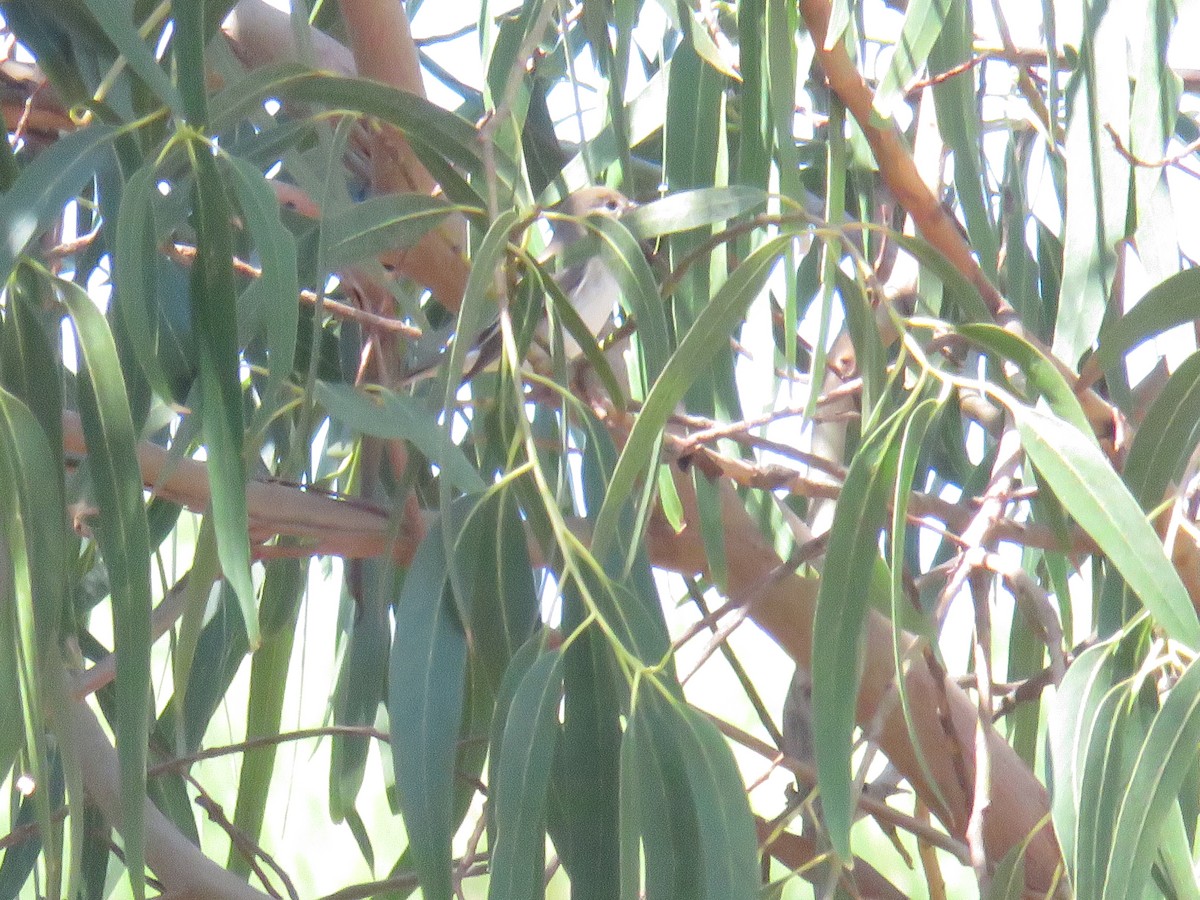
{"x":601,"y":201}
{"x":590,"y":201}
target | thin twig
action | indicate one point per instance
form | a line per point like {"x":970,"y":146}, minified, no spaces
{"x":807,"y":773}
{"x":1127,"y":155}
{"x":245,"y":845}
{"x":186,"y":254}
{"x":182,"y":763}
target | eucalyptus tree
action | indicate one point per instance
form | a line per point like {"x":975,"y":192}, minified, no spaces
{"x":875,"y":425}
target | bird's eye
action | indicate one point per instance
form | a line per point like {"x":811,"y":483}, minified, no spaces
{"x":611,"y":204}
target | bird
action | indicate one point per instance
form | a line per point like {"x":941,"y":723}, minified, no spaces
{"x":589,"y":284}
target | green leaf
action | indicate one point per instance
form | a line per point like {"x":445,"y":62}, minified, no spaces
{"x":691,"y":357}
{"x":279,"y":283}
{"x":922,"y":24}
{"x":360,"y":690}
{"x":214,"y":312}
{"x":624,"y":592}
{"x":959,"y":118}
{"x":1104,"y":773}
{"x":1008,"y":881}
{"x":134,"y":279}
{"x":435,"y":134}
{"x":1174,"y":854}
{"x":656,"y":808}
{"x":284,"y":583}
{"x":493,"y":578}
{"x":684,"y":210}
{"x":1148,"y":796}
{"x":626,"y":259}
{"x":1043,"y":376}
{"x":187,"y":47}
{"x":583,"y":813}
{"x":1103,"y":506}
{"x":44,"y":187}
{"x":522,"y":779}
{"x":911,"y":445}
{"x":29,"y":366}
{"x":364,"y":230}
{"x":838,"y":623}
{"x":124,"y":540}
{"x":1069,"y":722}
{"x":391,"y":416}
{"x":426,"y":680}
{"x":34,"y":532}
{"x":1097,"y":182}
{"x":726,"y":854}
{"x":118,"y":25}
{"x":1167,"y":436}
{"x":1169,"y":303}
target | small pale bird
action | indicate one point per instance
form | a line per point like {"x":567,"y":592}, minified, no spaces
{"x":589,"y":284}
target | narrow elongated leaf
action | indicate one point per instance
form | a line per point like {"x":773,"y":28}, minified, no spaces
{"x":120,"y":29}
{"x":629,"y":833}
{"x":45,"y":185}
{"x":1103,"y":506}
{"x":1167,"y":436}
{"x":1097,"y":182}
{"x":124,"y":540}
{"x":627,"y":597}
{"x":476,"y":312}
{"x":28,"y":364}
{"x":695,"y":351}
{"x":425,"y":700}
{"x":624,"y":257}
{"x":654,"y":789}
{"x":911,"y":443}
{"x":361,"y":685}
{"x":838,"y":624}
{"x":187,"y":48}
{"x":1069,"y":722}
{"x":1105,"y":769}
{"x":214,"y":312}
{"x":523,"y":776}
{"x":388,"y":415}
{"x":959,"y":121}
{"x":283,"y":587}
{"x":280,"y":283}
{"x":1174,"y":855}
{"x":34,"y":556}
{"x":434,"y":132}
{"x":1167,"y":304}
{"x":728,"y":846}
{"x":583,"y":810}
{"x":364,"y":230}
{"x":754,"y":147}
{"x":1166,"y":754}
{"x":1161,"y":447}
{"x":491,"y":570}
{"x":685,"y":210}
{"x":1043,"y":376}
{"x":134,"y":276}
{"x":922,"y":25}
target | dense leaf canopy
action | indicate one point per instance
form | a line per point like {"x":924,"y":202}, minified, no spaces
{"x":879,"y":406}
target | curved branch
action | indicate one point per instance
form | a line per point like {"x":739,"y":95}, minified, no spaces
{"x":259,"y":34}
{"x":935,"y":224}
{"x":185,"y":872}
